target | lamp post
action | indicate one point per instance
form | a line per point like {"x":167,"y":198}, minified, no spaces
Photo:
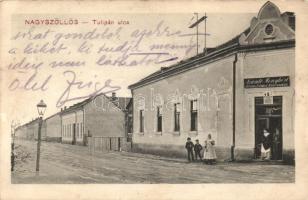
{"x":41,"y":107}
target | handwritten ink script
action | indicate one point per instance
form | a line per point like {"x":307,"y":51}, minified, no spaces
{"x":84,"y":56}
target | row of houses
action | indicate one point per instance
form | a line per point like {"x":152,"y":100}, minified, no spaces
{"x":233,"y":91}
{"x":99,"y":116}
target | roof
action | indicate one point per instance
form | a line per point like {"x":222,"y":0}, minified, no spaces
{"x":28,"y":123}
{"x":120,"y":102}
{"x":77,"y":106}
{"x":123,"y":102}
{"x":58,"y":113}
{"x":231,"y":46}
{"x":233,"y":41}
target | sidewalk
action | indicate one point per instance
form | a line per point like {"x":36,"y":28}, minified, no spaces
{"x":64,"y":163}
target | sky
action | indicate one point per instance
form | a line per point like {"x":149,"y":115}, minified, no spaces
{"x":53,"y":56}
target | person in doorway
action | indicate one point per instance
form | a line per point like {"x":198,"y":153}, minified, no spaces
{"x":209,"y":154}
{"x":197,"y":149}
{"x":266,"y":145}
{"x":189,"y":147}
{"x":276,"y":143}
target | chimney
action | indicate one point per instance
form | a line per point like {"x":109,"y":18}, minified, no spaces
{"x":289,"y":19}
{"x":61,"y":109}
{"x":64,"y":107}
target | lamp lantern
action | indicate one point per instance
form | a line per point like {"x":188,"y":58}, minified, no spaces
{"x":41,"y":107}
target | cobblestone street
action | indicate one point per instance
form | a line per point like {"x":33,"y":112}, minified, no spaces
{"x":63,"y":163}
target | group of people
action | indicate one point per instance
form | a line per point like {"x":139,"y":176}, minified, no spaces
{"x":194,"y":151}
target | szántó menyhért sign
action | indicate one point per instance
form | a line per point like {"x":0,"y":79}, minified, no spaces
{"x":266,"y":82}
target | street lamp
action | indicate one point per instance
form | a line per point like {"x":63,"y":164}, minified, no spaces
{"x":41,"y":107}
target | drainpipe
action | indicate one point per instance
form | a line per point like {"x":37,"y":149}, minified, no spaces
{"x":83,"y":127}
{"x":61,"y":122}
{"x":233,"y":107}
{"x":133,"y":128}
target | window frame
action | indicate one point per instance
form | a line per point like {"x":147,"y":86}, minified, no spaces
{"x":141,"y":121}
{"x":177,"y":115}
{"x":194,"y":115}
{"x":159,"y":118}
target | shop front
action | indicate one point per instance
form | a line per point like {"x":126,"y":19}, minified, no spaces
{"x":267,"y":131}
{"x":268,"y":118}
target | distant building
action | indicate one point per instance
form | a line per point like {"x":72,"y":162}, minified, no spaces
{"x":72,"y":123}
{"x":106,"y":116}
{"x":53,"y":128}
{"x":98,"y":116}
{"x":233,"y":92}
{"x":21,"y":132}
{"x":29,"y":131}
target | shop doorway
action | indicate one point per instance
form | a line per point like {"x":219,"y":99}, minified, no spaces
{"x":268,"y":116}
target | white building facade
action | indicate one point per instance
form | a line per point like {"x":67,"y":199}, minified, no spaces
{"x":73,"y":126}
{"x":232,"y":92}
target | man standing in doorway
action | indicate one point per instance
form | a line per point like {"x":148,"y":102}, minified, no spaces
{"x":276,"y":143}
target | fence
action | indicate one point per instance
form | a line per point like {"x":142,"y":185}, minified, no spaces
{"x":104,"y":144}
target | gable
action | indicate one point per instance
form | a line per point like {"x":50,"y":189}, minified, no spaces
{"x":102,"y":103}
{"x":269,"y":26}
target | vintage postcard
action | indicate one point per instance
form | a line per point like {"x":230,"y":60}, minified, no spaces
{"x":120,"y":100}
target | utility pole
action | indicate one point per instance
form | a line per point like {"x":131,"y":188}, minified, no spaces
{"x":196,"y":25}
{"x":205,"y":50}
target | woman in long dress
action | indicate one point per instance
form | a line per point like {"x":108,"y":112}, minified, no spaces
{"x":266,"y":145}
{"x":209,"y":154}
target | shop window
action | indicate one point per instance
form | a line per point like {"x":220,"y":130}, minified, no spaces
{"x":159,"y":119}
{"x":177,"y":117}
{"x":193,"y":115}
{"x":141,"y":115}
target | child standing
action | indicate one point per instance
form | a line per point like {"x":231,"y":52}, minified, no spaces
{"x":198,"y":149}
{"x":189,"y":147}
